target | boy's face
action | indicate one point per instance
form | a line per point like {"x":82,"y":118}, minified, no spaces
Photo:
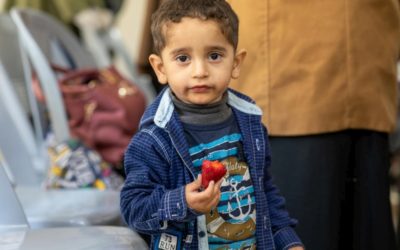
{"x":197,"y":62}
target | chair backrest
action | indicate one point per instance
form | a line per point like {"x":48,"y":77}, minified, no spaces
{"x":12,"y":215}
{"x":49,"y":33}
{"x":103,"y":40}
{"x":16,"y":64}
{"x":29,"y":22}
{"x":9,"y":49}
{"x":17,"y":140}
{"x":144,"y":81}
{"x":31,"y":123}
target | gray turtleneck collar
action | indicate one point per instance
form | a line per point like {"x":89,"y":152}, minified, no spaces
{"x":203,"y":114}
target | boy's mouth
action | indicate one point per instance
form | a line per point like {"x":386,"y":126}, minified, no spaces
{"x":200,"y":89}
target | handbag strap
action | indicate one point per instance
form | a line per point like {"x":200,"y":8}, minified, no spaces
{"x":59,"y":69}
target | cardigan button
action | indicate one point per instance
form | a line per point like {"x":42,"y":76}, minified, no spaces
{"x":202,"y":234}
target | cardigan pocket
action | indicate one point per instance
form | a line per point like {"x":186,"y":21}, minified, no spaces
{"x":171,"y":238}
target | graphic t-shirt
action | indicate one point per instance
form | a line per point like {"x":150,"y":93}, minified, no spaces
{"x":232,"y":224}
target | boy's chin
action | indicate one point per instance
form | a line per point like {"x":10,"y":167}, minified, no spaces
{"x":202,"y":101}
{"x":199,"y":98}
{"x":205,"y":100}
{"x":197,"y":101}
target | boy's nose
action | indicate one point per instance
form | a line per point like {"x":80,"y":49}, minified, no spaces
{"x":200,"y":69}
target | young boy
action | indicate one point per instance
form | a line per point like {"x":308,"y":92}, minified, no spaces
{"x":197,"y":118}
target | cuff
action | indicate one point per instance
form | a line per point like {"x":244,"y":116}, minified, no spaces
{"x":173,"y":205}
{"x":286,"y":238}
{"x":192,"y":214}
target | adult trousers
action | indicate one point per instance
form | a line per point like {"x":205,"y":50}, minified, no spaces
{"x":337,"y":186}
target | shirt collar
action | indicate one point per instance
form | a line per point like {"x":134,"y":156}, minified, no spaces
{"x":166,"y":107}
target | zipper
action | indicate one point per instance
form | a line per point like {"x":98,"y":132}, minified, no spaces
{"x":189,"y":237}
{"x":179,"y":153}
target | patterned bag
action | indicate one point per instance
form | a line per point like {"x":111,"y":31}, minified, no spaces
{"x":73,"y":165}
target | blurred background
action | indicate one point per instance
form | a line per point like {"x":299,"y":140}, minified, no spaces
{"x":42,"y":136}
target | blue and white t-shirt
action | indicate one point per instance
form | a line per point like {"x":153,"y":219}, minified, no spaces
{"x":232,"y":224}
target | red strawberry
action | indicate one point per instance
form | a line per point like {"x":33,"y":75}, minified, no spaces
{"x":211,"y":170}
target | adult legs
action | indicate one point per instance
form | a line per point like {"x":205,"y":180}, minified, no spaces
{"x":337,"y":186}
{"x":310,"y":171}
{"x":372,"y":225}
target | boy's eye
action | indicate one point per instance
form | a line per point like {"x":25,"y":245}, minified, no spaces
{"x":182,"y":58}
{"x":214,"y":56}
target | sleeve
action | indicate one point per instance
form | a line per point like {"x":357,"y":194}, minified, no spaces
{"x":282,"y":224}
{"x":146,"y":204}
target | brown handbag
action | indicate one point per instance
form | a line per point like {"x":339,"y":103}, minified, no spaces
{"x":103,"y":108}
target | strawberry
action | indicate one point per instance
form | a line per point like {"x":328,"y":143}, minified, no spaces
{"x":211,"y":170}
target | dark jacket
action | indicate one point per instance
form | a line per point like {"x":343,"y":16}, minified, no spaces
{"x":158,"y":167}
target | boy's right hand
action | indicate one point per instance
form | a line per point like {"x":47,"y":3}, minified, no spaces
{"x":203,"y":201}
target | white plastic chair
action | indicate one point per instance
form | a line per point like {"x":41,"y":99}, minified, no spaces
{"x":46,"y":208}
{"x":15,"y":232}
{"x":23,"y":151}
{"x":100,"y":37}
{"x":39,"y":57}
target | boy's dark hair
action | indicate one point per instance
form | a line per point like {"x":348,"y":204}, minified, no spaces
{"x":174,"y":10}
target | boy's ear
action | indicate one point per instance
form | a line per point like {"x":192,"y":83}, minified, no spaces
{"x":158,"y":67}
{"x":239,"y":58}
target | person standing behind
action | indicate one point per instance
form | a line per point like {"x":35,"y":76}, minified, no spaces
{"x":196,"y":118}
{"x":324,"y":74}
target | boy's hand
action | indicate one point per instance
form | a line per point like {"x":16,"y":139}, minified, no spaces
{"x":203,"y":201}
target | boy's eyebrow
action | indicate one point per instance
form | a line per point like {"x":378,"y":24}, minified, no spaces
{"x":219,"y":48}
{"x":208,"y":48}
{"x":179,"y":50}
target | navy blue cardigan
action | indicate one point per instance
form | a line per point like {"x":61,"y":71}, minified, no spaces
{"x":158,"y":166}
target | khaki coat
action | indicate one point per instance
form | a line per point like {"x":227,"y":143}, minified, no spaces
{"x":319,"y":66}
